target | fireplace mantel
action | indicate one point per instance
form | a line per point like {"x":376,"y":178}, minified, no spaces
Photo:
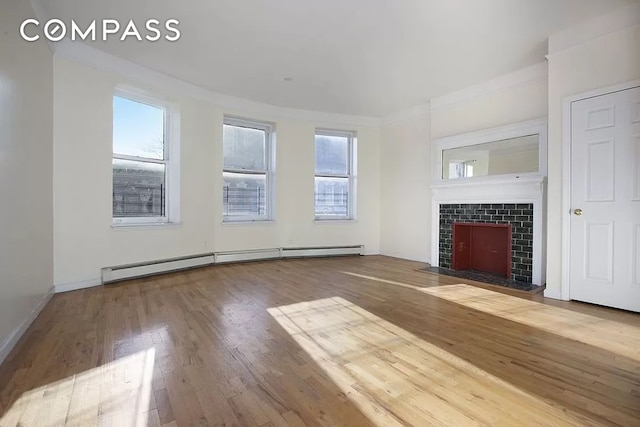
{"x":490,"y":189}
{"x":495,"y":191}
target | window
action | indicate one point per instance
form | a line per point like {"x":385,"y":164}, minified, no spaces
{"x":461,"y":169}
{"x":335,"y":173}
{"x":143,"y":161}
{"x":248,"y":170}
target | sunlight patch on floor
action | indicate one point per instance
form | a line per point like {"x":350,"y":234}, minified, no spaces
{"x":117,"y":393}
{"x":606,"y":334}
{"x":616,"y":337}
{"x":396,"y":378}
{"x":378,"y":279}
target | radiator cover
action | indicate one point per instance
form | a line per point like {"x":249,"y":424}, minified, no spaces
{"x":150,"y":268}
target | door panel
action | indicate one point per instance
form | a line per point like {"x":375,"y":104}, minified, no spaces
{"x":599,"y":251}
{"x":605,"y":200}
{"x":601,"y":118}
{"x":600,"y":173}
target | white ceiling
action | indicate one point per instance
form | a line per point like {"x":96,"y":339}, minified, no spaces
{"x":364,"y":57}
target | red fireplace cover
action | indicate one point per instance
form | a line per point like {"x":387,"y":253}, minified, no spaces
{"x":482,"y":247}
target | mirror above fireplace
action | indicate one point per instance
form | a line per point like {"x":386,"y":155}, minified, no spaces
{"x":509,"y":156}
{"x":511,"y":151}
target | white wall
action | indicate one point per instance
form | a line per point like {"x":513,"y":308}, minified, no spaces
{"x":84,"y":239}
{"x":26,"y":257}
{"x":406,"y":200}
{"x":513,"y":104}
{"x":609,"y":59}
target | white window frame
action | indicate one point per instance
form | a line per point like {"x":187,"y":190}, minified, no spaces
{"x":269,"y":171}
{"x":171,"y":159}
{"x":352,"y":138}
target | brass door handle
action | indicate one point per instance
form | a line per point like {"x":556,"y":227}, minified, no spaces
{"x":578,"y":212}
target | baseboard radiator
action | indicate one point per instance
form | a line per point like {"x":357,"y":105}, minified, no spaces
{"x":321,"y":252}
{"x":130,"y":271}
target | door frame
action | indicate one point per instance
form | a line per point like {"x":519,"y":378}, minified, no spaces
{"x":567,"y":141}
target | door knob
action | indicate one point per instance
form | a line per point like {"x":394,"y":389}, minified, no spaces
{"x":578,"y":212}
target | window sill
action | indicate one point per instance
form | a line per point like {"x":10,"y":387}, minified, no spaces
{"x":235,"y":223}
{"x":145,"y":226}
{"x":328,"y":221}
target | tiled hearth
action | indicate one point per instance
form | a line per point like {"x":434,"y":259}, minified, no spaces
{"x":520,"y":216}
{"x":486,"y":278}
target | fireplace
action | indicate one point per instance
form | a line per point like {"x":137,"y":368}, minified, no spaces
{"x":484,"y":248}
{"x":519,"y":216}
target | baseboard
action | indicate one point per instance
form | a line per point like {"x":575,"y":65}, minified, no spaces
{"x":151,"y":268}
{"x":13,"y":338}
{"x":74,"y":286}
{"x":243,"y":256}
{"x":125,"y":272}
{"x":403,"y":257}
{"x":321,"y":251}
{"x":550,"y":293}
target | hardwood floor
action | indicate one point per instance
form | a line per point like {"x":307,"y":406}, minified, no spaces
{"x":342,"y":341}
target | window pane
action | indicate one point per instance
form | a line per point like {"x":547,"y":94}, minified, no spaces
{"x":244,"y":148}
{"x":138,"y":129}
{"x":138,"y":189}
{"x":244,"y":194}
{"x":332,"y":154}
{"x":332,"y":197}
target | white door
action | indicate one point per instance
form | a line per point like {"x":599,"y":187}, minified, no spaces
{"x":605,"y":200}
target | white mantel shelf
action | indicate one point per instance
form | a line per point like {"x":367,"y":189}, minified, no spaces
{"x":512,"y":188}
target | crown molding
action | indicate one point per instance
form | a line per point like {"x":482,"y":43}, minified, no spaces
{"x":40,"y":15}
{"x":614,"y":21}
{"x":103,"y":61}
{"x":521,"y":77}
{"x":406,"y":115}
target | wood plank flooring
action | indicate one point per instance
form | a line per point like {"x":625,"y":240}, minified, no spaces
{"x":353,"y":341}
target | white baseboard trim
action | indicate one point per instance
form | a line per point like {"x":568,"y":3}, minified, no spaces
{"x":242,"y":256}
{"x":114,"y":274}
{"x":13,"y":338}
{"x":407,"y":257}
{"x":321,"y":252}
{"x":553,"y":294}
{"x":74,"y":286}
{"x":125,"y":272}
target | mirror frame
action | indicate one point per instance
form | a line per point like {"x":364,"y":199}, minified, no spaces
{"x":516,"y":130}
